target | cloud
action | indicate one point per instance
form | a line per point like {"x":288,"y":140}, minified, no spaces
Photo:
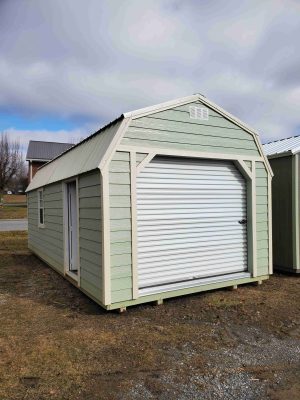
{"x":97,"y":59}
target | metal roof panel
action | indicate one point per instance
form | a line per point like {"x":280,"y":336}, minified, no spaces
{"x":83,"y":158}
{"x":46,"y":151}
{"x":291,"y":144}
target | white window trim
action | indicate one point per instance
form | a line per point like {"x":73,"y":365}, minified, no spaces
{"x":39,"y":208}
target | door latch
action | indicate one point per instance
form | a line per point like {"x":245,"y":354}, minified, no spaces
{"x":242,"y":221}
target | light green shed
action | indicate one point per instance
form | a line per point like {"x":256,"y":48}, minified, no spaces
{"x":284,"y":159}
{"x":164,"y":201}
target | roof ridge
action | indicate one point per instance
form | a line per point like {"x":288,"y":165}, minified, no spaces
{"x":280,"y":140}
{"x":85,"y":139}
{"x":45,"y":141}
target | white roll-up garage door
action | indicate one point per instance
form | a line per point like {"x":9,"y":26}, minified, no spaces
{"x":191,"y":226}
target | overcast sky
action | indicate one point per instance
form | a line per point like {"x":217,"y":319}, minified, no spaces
{"x":68,"y":67}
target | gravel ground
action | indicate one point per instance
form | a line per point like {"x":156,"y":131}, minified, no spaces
{"x":55,"y":343}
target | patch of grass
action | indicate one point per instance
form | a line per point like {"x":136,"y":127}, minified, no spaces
{"x":13,"y":212}
{"x":13,"y":241}
{"x":221,"y":301}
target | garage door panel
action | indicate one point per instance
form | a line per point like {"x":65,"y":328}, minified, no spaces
{"x":169,"y":236}
{"x":151,"y":225}
{"x":193,"y":200}
{"x":214,"y":216}
{"x":173,"y":277}
{"x":188,"y":215}
{"x":169,"y":265}
{"x":202,"y":254}
{"x":173,"y":206}
{"x":191,"y":243}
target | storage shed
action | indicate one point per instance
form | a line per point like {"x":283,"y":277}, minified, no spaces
{"x":284,"y":159}
{"x":164,"y":201}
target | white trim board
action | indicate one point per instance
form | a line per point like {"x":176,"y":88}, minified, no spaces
{"x":106,"y":269}
{"x":187,"y":153}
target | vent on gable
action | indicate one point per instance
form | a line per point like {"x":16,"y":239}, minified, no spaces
{"x":199,"y":113}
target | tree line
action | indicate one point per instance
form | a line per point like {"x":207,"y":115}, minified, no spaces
{"x":13,"y":173}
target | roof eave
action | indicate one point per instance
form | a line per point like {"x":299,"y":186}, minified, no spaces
{"x":282,"y":154}
{"x":38,"y":159}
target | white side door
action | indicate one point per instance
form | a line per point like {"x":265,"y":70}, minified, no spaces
{"x":73,"y":261}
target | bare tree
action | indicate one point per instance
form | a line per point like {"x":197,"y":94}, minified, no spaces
{"x":11,"y":162}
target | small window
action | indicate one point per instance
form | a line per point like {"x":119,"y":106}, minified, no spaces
{"x":41,"y":210}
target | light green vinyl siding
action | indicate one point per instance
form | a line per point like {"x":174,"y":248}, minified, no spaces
{"x":282,"y":210}
{"x":47,"y":242}
{"x":174,"y":129}
{"x":262,"y":226}
{"x":90,"y":233}
{"x":120,"y":227}
{"x":249,"y":164}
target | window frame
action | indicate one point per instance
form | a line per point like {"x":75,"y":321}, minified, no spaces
{"x":41,"y":208}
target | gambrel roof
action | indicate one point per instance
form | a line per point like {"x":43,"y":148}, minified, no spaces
{"x":94,"y":151}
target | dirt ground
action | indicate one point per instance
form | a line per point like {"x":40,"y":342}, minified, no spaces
{"x":57,"y":344}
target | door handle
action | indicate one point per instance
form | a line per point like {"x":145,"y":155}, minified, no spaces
{"x":242,"y":221}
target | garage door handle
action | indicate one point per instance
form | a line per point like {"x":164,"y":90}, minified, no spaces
{"x":242,"y":221}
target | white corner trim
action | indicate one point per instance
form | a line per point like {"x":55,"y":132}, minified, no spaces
{"x":78,"y":232}
{"x":295,"y":205}
{"x":106,"y":272}
{"x":114,"y":143}
{"x":270,"y":225}
{"x":135,"y":290}
{"x":254,"y":225}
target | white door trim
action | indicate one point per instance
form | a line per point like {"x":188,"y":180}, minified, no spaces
{"x":75,"y":277}
{"x":149,"y":208}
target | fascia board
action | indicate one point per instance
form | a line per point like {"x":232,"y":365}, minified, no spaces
{"x":241,"y":125}
{"x":161,"y":106}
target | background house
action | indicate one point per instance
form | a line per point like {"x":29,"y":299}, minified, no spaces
{"x":39,"y":153}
